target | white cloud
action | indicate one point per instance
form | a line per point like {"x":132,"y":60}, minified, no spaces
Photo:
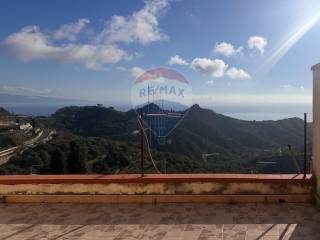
{"x":239,"y":50}
{"x":176,"y":60}
{"x":122,"y":68}
{"x":292,"y":87}
{"x":235,"y":73}
{"x":257,"y":42}
{"x":31,"y":44}
{"x":212,"y":67}
{"x":210,"y":82}
{"x":142,"y":26}
{"x":286,"y":86}
{"x":70,"y":31}
{"x":27,"y":91}
{"x":251,"y":99}
{"x":227,"y":49}
{"x":137,"y":71}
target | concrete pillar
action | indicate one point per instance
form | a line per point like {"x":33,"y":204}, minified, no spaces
{"x":316,"y":128}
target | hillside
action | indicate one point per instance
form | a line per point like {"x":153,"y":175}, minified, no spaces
{"x":110,"y":144}
{"x":201,"y":131}
{"x":95,"y":121}
{"x":204,"y":130}
{"x":4,"y":112}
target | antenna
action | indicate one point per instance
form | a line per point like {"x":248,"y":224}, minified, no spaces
{"x":141,"y":143}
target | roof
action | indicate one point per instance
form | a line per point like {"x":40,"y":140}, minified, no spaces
{"x":315,"y":67}
{"x":159,"y":221}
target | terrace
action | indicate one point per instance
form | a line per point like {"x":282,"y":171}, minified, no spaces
{"x":160,"y":221}
{"x":158,"y":207}
{"x":168,"y":206}
{"x":165,"y":206}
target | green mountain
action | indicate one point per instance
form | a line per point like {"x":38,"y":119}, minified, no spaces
{"x":95,"y":121}
{"x":201,"y":131}
{"x":110,"y":144}
{"x":4,"y":112}
{"x":204,"y":130}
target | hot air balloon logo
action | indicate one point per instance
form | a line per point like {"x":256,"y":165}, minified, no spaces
{"x":162,"y":97}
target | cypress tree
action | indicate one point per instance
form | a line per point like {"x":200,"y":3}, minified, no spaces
{"x":58,"y":162}
{"x":44,"y":155}
{"x":77,"y":158}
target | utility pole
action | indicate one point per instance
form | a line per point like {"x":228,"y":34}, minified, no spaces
{"x":295,"y":162}
{"x":305,"y":146}
{"x":141,"y":143}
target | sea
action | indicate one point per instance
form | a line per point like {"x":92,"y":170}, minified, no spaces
{"x":47,"y":110}
{"x":33,"y":110}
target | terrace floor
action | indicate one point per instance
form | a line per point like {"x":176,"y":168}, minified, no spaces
{"x":161,"y":221}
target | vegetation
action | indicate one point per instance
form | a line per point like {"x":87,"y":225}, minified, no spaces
{"x":103,"y":140}
{"x":77,"y":158}
{"x":58,"y":162}
{"x":4,"y":113}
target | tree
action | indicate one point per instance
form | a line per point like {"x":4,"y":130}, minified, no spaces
{"x":101,"y":167}
{"x":30,"y":158}
{"x":45,"y":157}
{"x":112,"y":163}
{"x":77,"y":158}
{"x":58,"y":162}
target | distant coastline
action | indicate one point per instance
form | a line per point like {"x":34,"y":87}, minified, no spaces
{"x":45,"y":106}
{"x":46,"y":110}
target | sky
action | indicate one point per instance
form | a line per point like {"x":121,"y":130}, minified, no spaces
{"x":240,"y":57}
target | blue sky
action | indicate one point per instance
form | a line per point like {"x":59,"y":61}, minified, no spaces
{"x":236,"y":54}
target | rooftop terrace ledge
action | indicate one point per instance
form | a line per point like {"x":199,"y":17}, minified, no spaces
{"x":156,"y":188}
{"x":156,"y":178}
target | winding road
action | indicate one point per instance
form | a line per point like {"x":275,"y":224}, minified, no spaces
{"x":43,"y":136}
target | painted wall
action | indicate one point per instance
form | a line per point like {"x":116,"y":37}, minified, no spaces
{"x":316,"y":128}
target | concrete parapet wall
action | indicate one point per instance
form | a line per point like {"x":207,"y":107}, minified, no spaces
{"x":154,"y":199}
{"x":215,"y":188}
{"x":196,"y":188}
